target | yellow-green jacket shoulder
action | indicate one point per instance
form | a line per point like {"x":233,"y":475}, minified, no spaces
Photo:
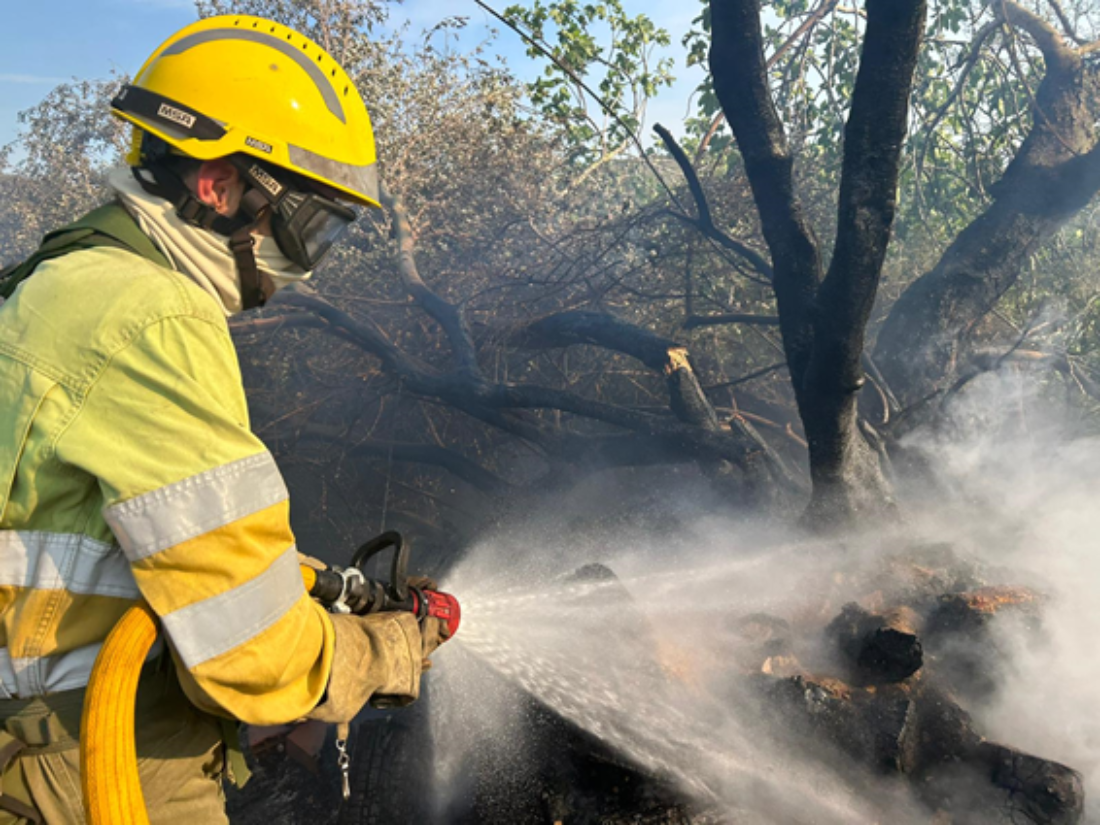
{"x":127,"y":469}
{"x":76,"y":311}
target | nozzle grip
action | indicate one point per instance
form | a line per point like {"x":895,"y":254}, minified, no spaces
{"x":442,"y":606}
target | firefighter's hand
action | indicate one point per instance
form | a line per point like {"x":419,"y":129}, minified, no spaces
{"x":422,"y":582}
{"x":376,"y":658}
{"x":433,"y":633}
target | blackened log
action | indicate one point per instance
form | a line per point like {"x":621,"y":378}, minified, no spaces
{"x":877,"y":648}
{"x":966,"y":656}
{"x":994,"y":784}
{"x":763,"y":468}
{"x":876,"y":729}
{"x":1039,"y":790}
{"x":449,"y":316}
{"x":972,"y":611}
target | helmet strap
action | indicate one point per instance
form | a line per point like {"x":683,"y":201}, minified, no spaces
{"x":256,"y":286}
{"x":164,"y":183}
{"x":159,"y":180}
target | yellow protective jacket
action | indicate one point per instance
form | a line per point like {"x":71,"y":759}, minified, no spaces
{"x":128,"y":470}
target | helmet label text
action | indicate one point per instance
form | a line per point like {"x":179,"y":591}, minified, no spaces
{"x":258,"y":145}
{"x":265,"y":180}
{"x":176,"y":115}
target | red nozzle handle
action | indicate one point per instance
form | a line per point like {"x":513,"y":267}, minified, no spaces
{"x":442,"y":606}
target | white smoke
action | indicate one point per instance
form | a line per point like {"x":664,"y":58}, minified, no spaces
{"x":1016,"y":490}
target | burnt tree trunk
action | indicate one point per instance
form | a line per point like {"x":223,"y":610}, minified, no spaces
{"x":823,"y":315}
{"x":1054,"y":174}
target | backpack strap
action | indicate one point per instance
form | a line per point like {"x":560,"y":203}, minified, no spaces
{"x":109,"y":225}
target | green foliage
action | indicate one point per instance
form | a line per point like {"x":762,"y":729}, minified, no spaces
{"x":602,"y":46}
{"x":481,"y":160}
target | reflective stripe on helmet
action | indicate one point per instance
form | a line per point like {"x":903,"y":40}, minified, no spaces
{"x":166,"y":113}
{"x":255,"y":36}
{"x":362,"y":179}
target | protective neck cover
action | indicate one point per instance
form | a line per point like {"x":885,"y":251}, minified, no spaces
{"x":202,"y":255}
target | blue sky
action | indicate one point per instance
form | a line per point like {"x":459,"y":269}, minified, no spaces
{"x":47,"y":42}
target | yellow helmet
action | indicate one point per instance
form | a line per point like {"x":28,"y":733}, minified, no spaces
{"x":240,"y":84}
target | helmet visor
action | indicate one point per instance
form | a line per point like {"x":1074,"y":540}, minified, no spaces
{"x":306,"y":225}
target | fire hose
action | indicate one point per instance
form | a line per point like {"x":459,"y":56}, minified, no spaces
{"x":110,"y":783}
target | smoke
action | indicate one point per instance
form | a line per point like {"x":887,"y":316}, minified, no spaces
{"x":652,"y":664}
{"x":1027,"y":478}
{"x":644,"y":663}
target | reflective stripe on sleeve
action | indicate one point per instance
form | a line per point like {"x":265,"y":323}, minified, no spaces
{"x":64,"y":561}
{"x":155,"y":521}
{"x":220,"y":623}
{"x":21,"y":678}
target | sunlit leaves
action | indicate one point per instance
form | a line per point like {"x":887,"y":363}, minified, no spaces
{"x":605,"y":48}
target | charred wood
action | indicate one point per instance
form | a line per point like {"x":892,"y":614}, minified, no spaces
{"x":705,"y":220}
{"x":877,"y":730}
{"x":823,"y":315}
{"x":877,"y":648}
{"x":917,"y":730}
{"x":972,"y":611}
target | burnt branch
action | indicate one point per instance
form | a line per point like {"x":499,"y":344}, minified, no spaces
{"x":873,"y":139}
{"x":1054,"y":174}
{"x":1063,"y":18}
{"x":704,"y":221}
{"x":364,"y":332}
{"x":662,"y":355}
{"x":1059,"y":56}
{"x":815,"y":17}
{"x":760,"y":373}
{"x":448,"y":316}
{"x":599,"y":329}
{"x":696,"y":429}
{"x":740,"y":80}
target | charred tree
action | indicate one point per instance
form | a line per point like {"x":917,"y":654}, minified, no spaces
{"x":688,"y":430}
{"x":1055,"y":173}
{"x":823,"y":314}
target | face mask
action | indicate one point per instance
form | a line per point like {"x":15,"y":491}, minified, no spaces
{"x":277,"y":266}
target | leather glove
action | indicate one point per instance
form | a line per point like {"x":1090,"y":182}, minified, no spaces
{"x":423,"y":582}
{"x":432,"y":631}
{"x":311,"y":561}
{"x":376,"y":659}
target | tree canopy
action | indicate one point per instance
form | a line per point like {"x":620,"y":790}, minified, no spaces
{"x":871,"y":204}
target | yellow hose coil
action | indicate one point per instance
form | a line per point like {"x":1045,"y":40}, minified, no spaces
{"x":109,"y":776}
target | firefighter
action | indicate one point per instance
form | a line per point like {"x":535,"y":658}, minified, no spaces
{"x":127,"y":467}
